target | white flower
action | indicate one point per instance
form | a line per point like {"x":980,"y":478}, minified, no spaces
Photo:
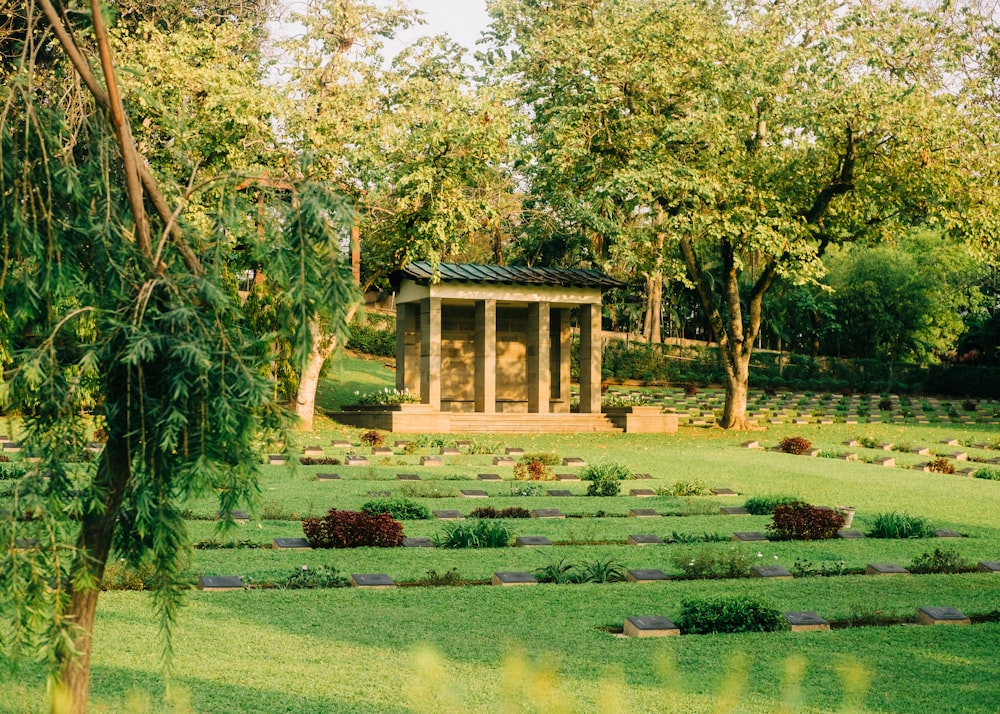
{"x":305,"y":567}
{"x":760,"y":555}
{"x":775,"y":557}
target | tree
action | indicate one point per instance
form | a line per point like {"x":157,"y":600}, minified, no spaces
{"x":762,"y":133}
{"x":135,"y":315}
{"x":417,"y":147}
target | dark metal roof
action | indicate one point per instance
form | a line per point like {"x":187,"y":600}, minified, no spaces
{"x":423,"y":272}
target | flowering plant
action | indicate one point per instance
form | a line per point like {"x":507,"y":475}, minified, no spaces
{"x":387,"y":395}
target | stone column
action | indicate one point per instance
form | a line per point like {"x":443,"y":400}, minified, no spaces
{"x":486,"y":356}
{"x":590,"y":358}
{"x":565,"y":352}
{"x":430,"y":352}
{"x":408,"y":347}
{"x":539,"y":353}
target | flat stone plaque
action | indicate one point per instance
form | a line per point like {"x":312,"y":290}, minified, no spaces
{"x":805,"y":621}
{"x":220,"y":583}
{"x":531,"y":541}
{"x":514,"y":451}
{"x":341,"y":444}
{"x":380,"y":494}
{"x":514,"y":578}
{"x":949,"y":442}
{"x":418,"y":543}
{"x":291,"y":544}
{"x":462,"y":444}
{"x":988,"y":566}
{"x":448,"y":515}
{"x":94,"y":447}
{"x":941,"y":616}
{"x":489,"y":477}
{"x":376,"y":581}
{"x":750,"y":444}
{"x":650,"y":626}
{"x":642,"y":513}
{"x":968,"y":471}
{"x":272,"y":459}
{"x":474,"y":493}
{"x":449,"y":451}
{"x":644,"y":539}
{"x":749,"y":536}
{"x":401,"y":443}
{"x":886,"y":462}
{"x":770,"y":571}
{"x":920,"y":451}
{"x":851,"y":442}
{"x":947,"y":533}
{"x":313,"y":451}
{"x":327,"y":477}
{"x":643,"y":477}
{"x":734,"y":511}
{"x":235,"y":515}
{"x":567,"y":477}
{"x":849,"y":534}
{"x":356,"y":461}
{"x":559,"y":492}
{"x":723,"y":492}
{"x":573,"y":461}
{"x":642,"y":492}
{"x":958,"y":456}
{"x":925,"y":467}
{"x":885,"y":569}
{"x":649,"y":575}
{"x":12,"y":447}
{"x":547,"y":513}
{"x":431,"y":461}
{"x":503,"y":461}
{"x":407,"y":477}
{"x":382,"y":451}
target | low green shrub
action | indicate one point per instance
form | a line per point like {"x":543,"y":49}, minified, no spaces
{"x":119,"y":575}
{"x":434,"y":579}
{"x":939,"y":560}
{"x":400,"y":508}
{"x":795,"y":445}
{"x":800,"y":521}
{"x":483,"y":533}
{"x":687,"y":538}
{"x":610,"y":471}
{"x":324,"y":576}
{"x":373,"y":338}
{"x":765,"y":505}
{"x":561,"y":573}
{"x":602,"y":571}
{"x":11,"y":471}
{"x":989,"y":473}
{"x":682,"y":489}
{"x":899,"y":525}
{"x":741,"y":613}
{"x":604,"y":487}
{"x":491,"y":512}
{"x":707,"y":563}
{"x":353,"y":529}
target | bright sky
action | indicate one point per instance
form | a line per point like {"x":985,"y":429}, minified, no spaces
{"x":462,"y":20}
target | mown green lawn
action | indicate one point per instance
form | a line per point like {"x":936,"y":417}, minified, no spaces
{"x":552,"y":648}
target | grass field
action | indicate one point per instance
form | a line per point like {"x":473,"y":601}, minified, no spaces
{"x":553,"y":648}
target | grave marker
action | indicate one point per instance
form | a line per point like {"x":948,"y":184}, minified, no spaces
{"x":272,"y":459}
{"x":559,"y":493}
{"x":770,"y":571}
{"x":355,"y":460}
{"x":547,"y":513}
{"x":380,"y":494}
{"x":489,"y":477}
{"x":650,"y":626}
{"x":988,"y":566}
{"x":327,"y":477}
{"x":941,"y":616}
{"x":643,"y":477}
{"x":450,"y":451}
{"x":642,"y":492}
{"x":531,"y":541}
{"x":885,"y":569}
{"x":514,"y":451}
{"x":473,"y":493}
{"x":920,"y":451}
{"x":947,"y":533}
{"x":805,"y":621}
{"x":219,"y":583}
{"x":644,"y":539}
{"x":886,"y":462}
{"x":448,"y":515}
{"x":381,"y":451}
{"x":313,"y":451}
{"x":749,"y":537}
{"x":341,"y":444}
{"x":642,"y":513}
{"x":418,"y":543}
{"x":503,"y":461}
{"x":407,"y":477}
{"x":431,"y":461}
{"x":567,"y":477}
{"x":238,"y":516}
{"x":509,"y":579}
{"x":724,"y":492}
{"x":650,"y":575}
{"x":291,"y":544}
{"x":734,"y":511}
{"x":372,"y":581}
{"x":573,"y":461}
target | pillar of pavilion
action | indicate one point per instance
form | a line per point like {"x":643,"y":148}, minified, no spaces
{"x":489,"y":339}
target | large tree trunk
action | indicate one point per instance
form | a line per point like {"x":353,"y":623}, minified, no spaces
{"x":654,"y":308}
{"x":93,"y":548}
{"x":734,"y":413}
{"x":324,"y":345}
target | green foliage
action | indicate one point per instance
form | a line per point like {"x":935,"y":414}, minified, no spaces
{"x":688,"y":538}
{"x":323,"y":576}
{"x":609,"y":471}
{"x":481,"y":533}
{"x":683,"y":489}
{"x":491,"y":512}
{"x":121,"y":575}
{"x":990,"y":473}
{"x":400,"y":508}
{"x":940,"y":560}
{"x":353,"y":529}
{"x":712,"y":563}
{"x":601,"y":571}
{"x":561,"y":573}
{"x":800,"y":521}
{"x":535,"y":467}
{"x":742,"y":613}
{"x":604,"y":487}
{"x":941,"y":465}
{"x":795,"y":445}
{"x":625,"y":400}
{"x":899,"y":525}
{"x":387,"y":395}
{"x":369,"y":337}
{"x":11,"y":471}
{"x":434,"y":579}
{"x":765,"y":505}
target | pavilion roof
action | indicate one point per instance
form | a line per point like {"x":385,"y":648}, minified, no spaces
{"x":423,"y":271}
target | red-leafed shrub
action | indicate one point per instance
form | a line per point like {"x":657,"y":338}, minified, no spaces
{"x":800,"y":521}
{"x":941,"y":465}
{"x":372,"y":438}
{"x":509,"y":512}
{"x":795,"y":445}
{"x":353,"y":529}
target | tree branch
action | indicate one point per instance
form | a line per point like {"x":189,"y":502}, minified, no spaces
{"x":843,"y":183}
{"x":697,"y":276}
